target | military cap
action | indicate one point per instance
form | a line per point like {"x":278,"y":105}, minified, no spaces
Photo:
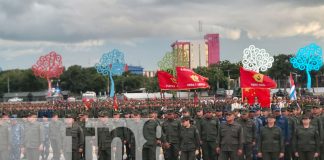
{"x":244,"y":111}
{"x":135,"y":112}
{"x":31,"y":113}
{"x":185,"y":118}
{"x":185,"y":110}
{"x":103,"y":114}
{"x":271,"y":116}
{"x":277,"y":109}
{"x":283,"y":109}
{"x":236,"y":110}
{"x":218,"y":110}
{"x":144,"y":112}
{"x":265,"y":109}
{"x":152,"y":111}
{"x":252,"y":111}
{"x":199,"y":109}
{"x":208,"y":109}
{"x":316,"y":106}
{"x":257,"y":108}
{"x":229,"y":113}
{"x":70,"y":116}
{"x":305,"y":116}
{"x":115,"y":112}
{"x":169,"y":111}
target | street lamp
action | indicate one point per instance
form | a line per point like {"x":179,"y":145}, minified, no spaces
{"x":228,"y":81}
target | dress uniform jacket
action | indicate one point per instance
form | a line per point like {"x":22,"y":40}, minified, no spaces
{"x":209,"y":129}
{"x":230,"y":137}
{"x":306,"y":139}
{"x":189,"y":139}
{"x":271,"y":140}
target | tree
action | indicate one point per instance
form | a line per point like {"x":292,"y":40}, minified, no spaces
{"x":308,"y":58}
{"x":256,"y":59}
{"x":178,"y":57}
{"x":111,"y":63}
{"x":48,"y":67}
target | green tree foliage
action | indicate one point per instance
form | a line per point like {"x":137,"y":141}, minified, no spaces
{"x":178,"y":57}
{"x":20,"y":81}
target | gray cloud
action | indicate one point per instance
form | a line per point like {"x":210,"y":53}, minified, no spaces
{"x":35,"y":27}
{"x":77,"y":20}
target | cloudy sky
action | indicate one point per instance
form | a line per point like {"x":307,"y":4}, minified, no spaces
{"x":82,"y":30}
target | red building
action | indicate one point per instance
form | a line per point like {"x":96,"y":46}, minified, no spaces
{"x":212,"y":41}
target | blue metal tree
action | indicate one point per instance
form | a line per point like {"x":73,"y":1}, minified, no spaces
{"x":111,"y":63}
{"x":308,"y":58}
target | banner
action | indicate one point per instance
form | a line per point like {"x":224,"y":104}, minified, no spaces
{"x":115,"y":103}
{"x":166,"y":81}
{"x":263,"y":95}
{"x":251,"y":79}
{"x":188,"y":79}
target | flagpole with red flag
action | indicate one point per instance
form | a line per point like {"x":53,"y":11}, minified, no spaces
{"x":115,"y":103}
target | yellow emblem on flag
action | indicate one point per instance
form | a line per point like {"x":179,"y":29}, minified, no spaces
{"x":194,"y":78}
{"x":173,"y":80}
{"x":258,"y":77}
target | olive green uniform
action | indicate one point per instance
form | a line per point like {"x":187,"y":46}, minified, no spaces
{"x":249,"y":132}
{"x":209,"y":132}
{"x":230,"y":140}
{"x":32,"y":139}
{"x":73,"y":141}
{"x":271,"y":143}
{"x":104,"y":142}
{"x":189,"y":142}
{"x":171,"y":132}
{"x":306,"y":142}
{"x":4,"y":141}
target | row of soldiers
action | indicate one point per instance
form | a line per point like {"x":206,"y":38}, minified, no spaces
{"x":208,"y":122}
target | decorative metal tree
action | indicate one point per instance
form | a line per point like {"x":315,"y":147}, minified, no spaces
{"x":111,"y":63}
{"x":48,"y":67}
{"x":256,"y":59}
{"x":308,"y":58}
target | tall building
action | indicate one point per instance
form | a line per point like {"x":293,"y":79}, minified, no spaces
{"x":212,"y":41}
{"x":195,"y":53}
{"x":135,"y":69}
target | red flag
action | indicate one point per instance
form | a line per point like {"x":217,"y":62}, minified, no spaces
{"x":115,"y":103}
{"x":166,"y":81}
{"x":263,"y":95}
{"x":196,"y":99}
{"x":251,"y":79}
{"x":188,"y":79}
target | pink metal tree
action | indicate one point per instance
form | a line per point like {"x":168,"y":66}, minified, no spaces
{"x":49,"y":66}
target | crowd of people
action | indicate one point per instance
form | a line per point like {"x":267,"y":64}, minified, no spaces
{"x":208,"y":129}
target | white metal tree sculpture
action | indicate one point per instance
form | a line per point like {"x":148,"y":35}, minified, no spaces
{"x":256,"y":59}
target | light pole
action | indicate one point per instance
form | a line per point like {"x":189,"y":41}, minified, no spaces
{"x":228,"y":81}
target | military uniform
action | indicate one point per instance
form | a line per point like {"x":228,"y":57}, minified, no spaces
{"x":306,"y":142}
{"x":271,"y":143}
{"x":189,"y":142}
{"x":16,"y":138}
{"x":104,"y":139}
{"x":56,"y":138}
{"x":73,"y":141}
{"x":87,"y":132}
{"x":46,"y":142}
{"x":171,"y":129}
{"x":4,"y":140}
{"x":149,"y":148}
{"x":209,"y":133}
{"x":249,"y":132}
{"x":33,"y":139}
{"x":230,"y":140}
